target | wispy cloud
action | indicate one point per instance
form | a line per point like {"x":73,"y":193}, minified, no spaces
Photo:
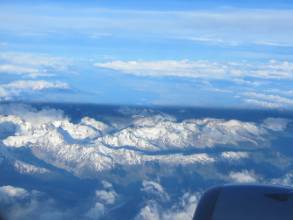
{"x":35,"y":85}
{"x":203,"y":69}
{"x":16,"y":89}
{"x":32,"y":65}
{"x":237,"y":25}
{"x":268,"y":100}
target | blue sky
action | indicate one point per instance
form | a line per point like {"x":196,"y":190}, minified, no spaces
{"x":179,"y":52}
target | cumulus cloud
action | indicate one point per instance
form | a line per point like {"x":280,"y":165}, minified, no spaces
{"x":203,"y":69}
{"x":154,"y":189}
{"x":30,"y":114}
{"x":104,"y":199}
{"x":25,"y":204}
{"x":183,"y":209}
{"x":106,"y":196}
{"x":244,"y":176}
{"x":96,"y":212}
{"x":9,"y":194}
{"x":21,"y":204}
{"x":150,"y":211}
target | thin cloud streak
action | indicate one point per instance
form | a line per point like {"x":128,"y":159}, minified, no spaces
{"x":202,"y":69}
{"x":237,"y":25}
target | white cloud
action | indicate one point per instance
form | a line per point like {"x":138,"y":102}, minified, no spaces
{"x":16,"y":69}
{"x":32,"y":65}
{"x":22,"y":204}
{"x":214,"y":41}
{"x":236,"y":25}
{"x":180,"y":68}
{"x":35,"y":85}
{"x":235,"y":42}
{"x":231,"y":155}
{"x":96,"y":212}
{"x":29,"y":114}
{"x":267,"y":100}
{"x":281,"y":92}
{"x":244,"y":176}
{"x":106,"y":196}
{"x":9,"y":194}
{"x":276,"y":124}
{"x":106,"y":184}
{"x":263,"y":104}
{"x":203,"y":69}
{"x":149,"y":212}
{"x":183,"y":68}
{"x":183,"y":209}
{"x":17,"y":88}
{"x":155,"y":189}
{"x":103,"y":201}
{"x":286,"y":180}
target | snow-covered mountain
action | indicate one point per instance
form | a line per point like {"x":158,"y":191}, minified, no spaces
{"x":142,"y":147}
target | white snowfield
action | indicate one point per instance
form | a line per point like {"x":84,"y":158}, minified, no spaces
{"x":91,"y":146}
{"x":157,"y":133}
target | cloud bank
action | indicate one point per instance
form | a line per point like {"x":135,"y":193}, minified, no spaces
{"x":222,"y":26}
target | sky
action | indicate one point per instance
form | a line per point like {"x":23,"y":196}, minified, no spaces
{"x":224,"y":53}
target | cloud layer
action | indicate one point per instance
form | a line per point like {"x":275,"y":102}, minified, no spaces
{"x":203,"y":69}
{"x":219,"y":26}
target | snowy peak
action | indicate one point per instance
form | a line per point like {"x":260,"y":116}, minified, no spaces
{"x":91,"y":146}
